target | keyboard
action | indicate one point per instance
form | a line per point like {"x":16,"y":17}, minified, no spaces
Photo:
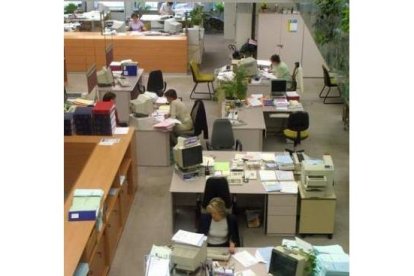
{"x":218,"y":254}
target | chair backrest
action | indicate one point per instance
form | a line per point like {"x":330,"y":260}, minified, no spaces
{"x":217,"y":187}
{"x":298,"y":121}
{"x":222,"y":136}
{"x":199,"y":118}
{"x":195,"y":70}
{"x":155,"y":81}
{"x":326,"y":77}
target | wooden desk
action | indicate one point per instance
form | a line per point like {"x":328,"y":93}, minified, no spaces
{"x":257,"y":123}
{"x":166,"y":53}
{"x":279,"y":208}
{"x":124,"y":94}
{"x":101,"y":169}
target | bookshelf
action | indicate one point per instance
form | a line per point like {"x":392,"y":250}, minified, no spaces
{"x":89,"y":165}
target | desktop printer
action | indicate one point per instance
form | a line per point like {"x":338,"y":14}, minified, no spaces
{"x":188,"y":257}
{"x":317,"y":176}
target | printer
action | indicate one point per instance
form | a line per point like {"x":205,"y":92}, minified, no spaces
{"x":317,"y":176}
{"x":188,"y":257}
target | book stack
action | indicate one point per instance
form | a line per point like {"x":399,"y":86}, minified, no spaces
{"x":104,"y":118}
{"x":68,"y":124}
{"x":281,"y":103}
{"x":86,"y":205}
{"x":83,"y":120}
{"x":284,"y":162}
{"x":292,"y":95}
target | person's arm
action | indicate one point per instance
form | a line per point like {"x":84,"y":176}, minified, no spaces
{"x":204,"y":225}
{"x":234,"y":239}
{"x":161,"y":11}
{"x":173,"y":109}
{"x":143,"y":29}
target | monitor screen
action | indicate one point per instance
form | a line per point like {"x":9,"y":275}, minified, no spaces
{"x":192,"y":156}
{"x":91,"y":78}
{"x":282,"y":264}
{"x":278,"y":85}
{"x":109,"y":55}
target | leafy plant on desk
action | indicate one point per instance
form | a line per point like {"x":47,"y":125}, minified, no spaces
{"x":235,"y":88}
{"x":70,"y":8}
{"x":196,"y":16}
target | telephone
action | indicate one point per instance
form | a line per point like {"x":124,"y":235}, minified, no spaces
{"x":105,"y":77}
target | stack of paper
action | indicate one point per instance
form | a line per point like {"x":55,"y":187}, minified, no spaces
{"x":161,"y":100}
{"x":268,"y":157}
{"x":189,"y":238}
{"x":163,"y":252}
{"x":284,"y":175}
{"x":331,"y":260}
{"x":272,"y":186}
{"x":167,"y":124}
{"x":284,"y":161}
{"x":86,"y":204}
{"x":267,"y":175}
{"x":281,"y":103}
{"x":157,"y":266}
{"x":245,"y":258}
{"x":290,"y":187}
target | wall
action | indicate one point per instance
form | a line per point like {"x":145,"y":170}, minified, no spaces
{"x":243,"y":23}
{"x":229,"y":21}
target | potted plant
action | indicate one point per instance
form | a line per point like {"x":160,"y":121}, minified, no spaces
{"x":196,"y":16}
{"x":264,"y":6}
{"x":70,"y":8}
{"x":234,"y":89}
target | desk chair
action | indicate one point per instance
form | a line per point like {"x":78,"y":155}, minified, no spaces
{"x":201,"y":78}
{"x":199,"y":118}
{"x":298,"y":124}
{"x":329,"y":81}
{"x":222,"y":137}
{"x":156,"y":83}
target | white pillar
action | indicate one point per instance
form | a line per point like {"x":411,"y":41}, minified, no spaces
{"x":229,"y":20}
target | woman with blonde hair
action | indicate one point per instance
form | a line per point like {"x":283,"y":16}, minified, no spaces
{"x":220,"y":228}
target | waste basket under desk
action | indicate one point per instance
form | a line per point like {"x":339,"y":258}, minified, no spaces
{"x":152,"y":146}
{"x":317,"y":215}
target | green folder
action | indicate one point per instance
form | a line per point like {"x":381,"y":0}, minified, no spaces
{"x":222,"y":166}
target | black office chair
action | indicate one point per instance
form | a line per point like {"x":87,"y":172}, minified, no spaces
{"x":156,"y":83}
{"x":329,"y":81}
{"x":199,"y":118}
{"x":222,"y":137}
{"x":297,"y":129}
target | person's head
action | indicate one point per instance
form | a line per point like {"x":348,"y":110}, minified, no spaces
{"x":171,"y":95}
{"x":217,"y":208}
{"x":135,"y":17}
{"x":170,"y":3}
{"x":109,"y":96}
{"x":275,"y":59}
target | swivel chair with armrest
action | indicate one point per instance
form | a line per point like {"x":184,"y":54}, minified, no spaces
{"x":222,"y":137}
{"x":199,"y":118}
{"x":156,"y":83}
{"x":329,"y":81}
{"x":201,"y":78}
{"x":297,"y":129}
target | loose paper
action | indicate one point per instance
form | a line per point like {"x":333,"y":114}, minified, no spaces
{"x":245,"y":258}
{"x":121,"y":130}
{"x":267,"y":175}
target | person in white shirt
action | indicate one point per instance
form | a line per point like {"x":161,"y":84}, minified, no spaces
{"x":166,"y":8}
{"x":135,"y":24}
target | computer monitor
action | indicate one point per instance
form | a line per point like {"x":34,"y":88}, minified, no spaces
{"x":278,"y":87}
{"x":250,"y":66}
{"x":189,"y":156}
{"x":286,"y":263}
{"x":172,"y":26}
{"x":142,"y":106}
{"x":109,"y":55}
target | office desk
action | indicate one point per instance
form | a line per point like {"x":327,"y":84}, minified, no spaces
{"x":251,"y":134}
{"x":101,"y":167}
{"x":124,"y":94}
{"x":279,"y":208}
{"x":82,"y":49}
{"x":153,"y":146}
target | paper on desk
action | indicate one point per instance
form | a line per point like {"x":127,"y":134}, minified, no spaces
{"x":284,"y":175}
{"x":253,"y":156}
{"x":157,"y":267}
{"x":283,"y":159}
{"x":263,"y":62}
{"x":247,"y":272}
{"x":256,"y":96}
{"x":267,"y":175}
{"x":161,"y":100}
{"x":259,"y":257}
{"x":289,"y":243}
{"x":333,"y":262}
{"x":208,"y":161}
{"x":268,"y":157}
{"x":290,"y":187}
{"x":272,"y":186}
{"x":163,"y":252}
{"x":190,"y":238}
{"x":255,"y":102}
{"x":330,"y":249}
{"x":245,"y":258}
{"x":109,"y":141}
{"x":266,"y":253}
{"x":121,"y":130}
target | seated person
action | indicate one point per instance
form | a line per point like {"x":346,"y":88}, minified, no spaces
{"x":178,"y":111}
{"x":110,"y":96}
{"x":220,"y":228}
{"x":280,"y":69}
{"x":135,"y":24}
{"x":166,"y":8}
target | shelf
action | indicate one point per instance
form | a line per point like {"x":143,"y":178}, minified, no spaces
{"x":126,"y":163}
{"x":110,"y":203}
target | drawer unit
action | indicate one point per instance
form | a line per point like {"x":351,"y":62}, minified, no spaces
{"x":285,"y":225}
{"x":281,"y":214}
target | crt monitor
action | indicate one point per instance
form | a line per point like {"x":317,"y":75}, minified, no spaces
{"x":172,"y":26}
{"x":250,"y":66}
{"x":278,"y":87}
{"x":188,"y":157}
{"x":284,"y":263}
{"x":142,"y":106}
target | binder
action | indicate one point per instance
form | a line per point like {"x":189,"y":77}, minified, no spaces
{"x":83,"y":215}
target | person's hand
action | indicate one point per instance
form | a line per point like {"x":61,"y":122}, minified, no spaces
{"x":166,"y":116}
{"x":232,"y":248}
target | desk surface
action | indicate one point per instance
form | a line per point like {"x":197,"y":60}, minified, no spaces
{"x":178,"y":185}
{"x":133,"y":80}
{"x":127,"y":36}
{"x":99,"y":172}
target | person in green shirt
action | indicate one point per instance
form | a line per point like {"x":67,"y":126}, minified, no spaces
{"x":280,"y":69}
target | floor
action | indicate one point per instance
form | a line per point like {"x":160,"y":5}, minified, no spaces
{"x":149,"y":221}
